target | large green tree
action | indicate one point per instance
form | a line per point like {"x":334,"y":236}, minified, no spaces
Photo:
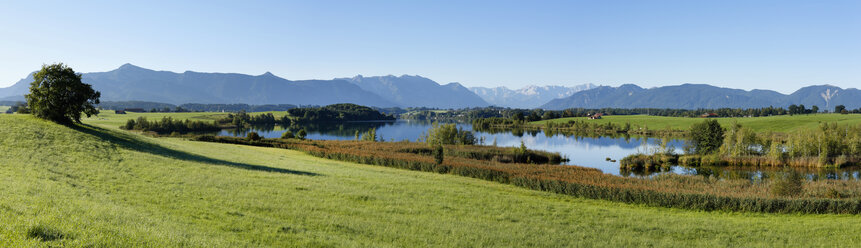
{"x":706,"y":137}
{"x":839,"y":108}
{"x":57,"y":94}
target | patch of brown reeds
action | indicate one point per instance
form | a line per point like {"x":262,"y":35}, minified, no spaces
{"x":690,"y":192}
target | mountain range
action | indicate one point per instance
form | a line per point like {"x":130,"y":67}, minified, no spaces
{"x":694,"y":96}
{"x":133,"y":83}
{"x":416,"y":91}
{"x":528,"y":97}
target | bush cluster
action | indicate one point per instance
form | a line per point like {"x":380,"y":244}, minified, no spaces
{"x":169,"y":125}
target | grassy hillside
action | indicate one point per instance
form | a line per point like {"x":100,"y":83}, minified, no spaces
{"x":784,"y":123}
{"x":99,"y":187}
{"x":3,"y":109}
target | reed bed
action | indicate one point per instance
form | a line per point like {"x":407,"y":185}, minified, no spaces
{"x":677,"y":191}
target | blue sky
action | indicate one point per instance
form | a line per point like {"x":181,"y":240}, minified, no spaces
{"x":779,"y":45}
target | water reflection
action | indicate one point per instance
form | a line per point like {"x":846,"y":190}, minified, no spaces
{"x":583,"y":149}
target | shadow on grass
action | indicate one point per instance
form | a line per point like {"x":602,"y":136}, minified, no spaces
{"x":128,"y":141}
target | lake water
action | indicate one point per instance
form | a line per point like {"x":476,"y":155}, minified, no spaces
{"x":582,"y":151}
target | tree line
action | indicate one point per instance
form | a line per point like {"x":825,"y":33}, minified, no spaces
{"x":243,"y":119}
{"x":168,"y":125}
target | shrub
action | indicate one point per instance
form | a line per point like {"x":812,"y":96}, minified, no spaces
{"x":370,"y":135}
{"x":788,"y":184}
{"x":449,"y":134}
{"x":287,"y":135}
{"x":20,"y":108}
{"x":833,"y":194}
{"x":130,"y":125}
{"x":439,"y":154}
{"x":689,"y":160}
{"x":253,"y":136}
{"x":302,"y":134}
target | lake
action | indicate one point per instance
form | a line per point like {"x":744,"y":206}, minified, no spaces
{"x":582,"y":151}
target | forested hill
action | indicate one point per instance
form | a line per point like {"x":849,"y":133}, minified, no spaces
{"x":338,"y":113}
{"x":696,"y":96}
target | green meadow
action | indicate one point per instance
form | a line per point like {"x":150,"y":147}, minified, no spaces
{"x":783,"y":123}
{"x":3,"y":109}
{"x":98,"y":186}
{"x":111,"y":119}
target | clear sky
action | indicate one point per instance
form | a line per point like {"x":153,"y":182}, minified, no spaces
{"x":779,"y":45}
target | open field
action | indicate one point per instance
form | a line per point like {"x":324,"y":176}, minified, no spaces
{"x":101,"y":187}
{"x":3,"y":109}
{"x":783,"y":123}
{"x":109,"y":118}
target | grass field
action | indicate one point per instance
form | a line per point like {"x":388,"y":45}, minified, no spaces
{"x":3,"y":109}
{"x":783,"y":123}
{"x":99,"y":187}
{"x":109,"y":118}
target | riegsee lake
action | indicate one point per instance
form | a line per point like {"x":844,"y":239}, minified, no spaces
{"x":580,"y":150}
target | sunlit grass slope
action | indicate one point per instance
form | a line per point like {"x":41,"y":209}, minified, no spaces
{"x":97,"y":187}
{"x":3,"y":109}
{"x":783,"y":123}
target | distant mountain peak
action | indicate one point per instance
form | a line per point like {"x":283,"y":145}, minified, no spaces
{"x":267,"y":74}
{"x":629,"y":86}
{"x":530,"y":96}
{"x":402,"y":76}
{"x":127,"y":66}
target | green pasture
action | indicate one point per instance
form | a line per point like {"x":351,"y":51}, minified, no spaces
{"x":98,"y":186}
{"x":110,"y":118}
{"x":783,"y":123}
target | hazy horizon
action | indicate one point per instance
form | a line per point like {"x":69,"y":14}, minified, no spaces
{"x":772,"y":45}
